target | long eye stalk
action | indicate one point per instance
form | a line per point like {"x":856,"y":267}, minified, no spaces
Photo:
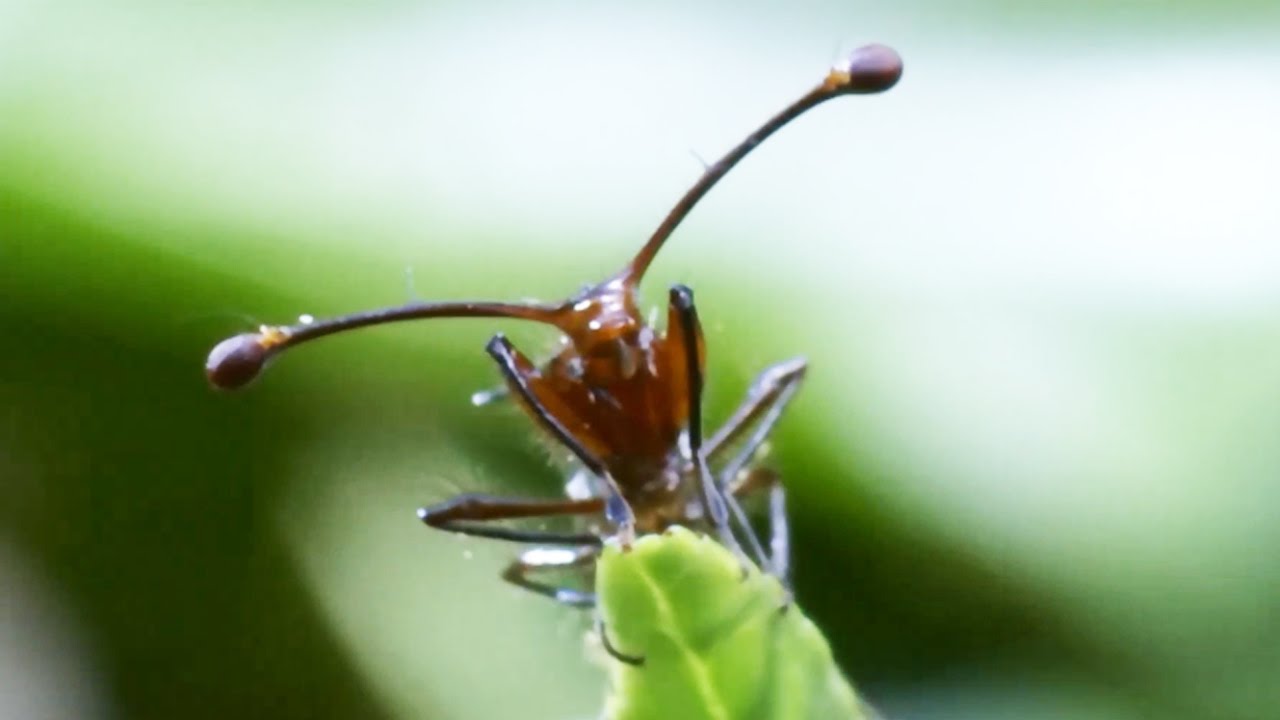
{"x":236,"y":361}
{"x":869,"y":69}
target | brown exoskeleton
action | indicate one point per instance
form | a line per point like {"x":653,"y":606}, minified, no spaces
{"x":623,"y":398}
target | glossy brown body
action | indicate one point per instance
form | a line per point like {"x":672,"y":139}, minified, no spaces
{"x":622,"y":389}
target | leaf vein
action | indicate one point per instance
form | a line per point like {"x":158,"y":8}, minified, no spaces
{"x":698,"y":667}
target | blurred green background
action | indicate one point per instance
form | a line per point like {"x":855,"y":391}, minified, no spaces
{"x":1034,"y":472}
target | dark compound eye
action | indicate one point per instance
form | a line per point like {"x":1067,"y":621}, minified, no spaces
{"x":872,"y":69}
{"x":236,"y":361}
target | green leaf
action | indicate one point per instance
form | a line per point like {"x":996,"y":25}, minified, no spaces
{"x":717,"y":644}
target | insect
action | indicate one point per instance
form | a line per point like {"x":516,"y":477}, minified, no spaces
{"x":624,"y":399}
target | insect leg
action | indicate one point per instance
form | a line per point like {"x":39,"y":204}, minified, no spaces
{"x":779,"y":529}
{"x":519,"y":373}
{"x":615,"y":653}
{"x":766,"y":400}
{"x":467,"y":513}
{"x":537,"y":560}
{"x":768,"y":397}
{"x":717,"y":504}
{"x":779,"y":534}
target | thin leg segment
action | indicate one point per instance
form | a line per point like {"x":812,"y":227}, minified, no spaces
{"x":748,"y":428}
{"x":717,"y":504}
{"x":779,"y":534}
{"x":754,"y":420}
{"x":519,"y":372}
{"x":582,"y":559}
{"x":468,"y":513}
{"x":615,"y":653}
{"x":541,"y":560}
{"x":758,"y":479}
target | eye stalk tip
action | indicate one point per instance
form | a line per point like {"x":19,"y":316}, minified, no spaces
{"x":870,"y":69}
{"x":236,"y":361}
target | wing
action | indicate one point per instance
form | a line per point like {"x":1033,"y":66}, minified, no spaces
{"x":716,"y":640}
